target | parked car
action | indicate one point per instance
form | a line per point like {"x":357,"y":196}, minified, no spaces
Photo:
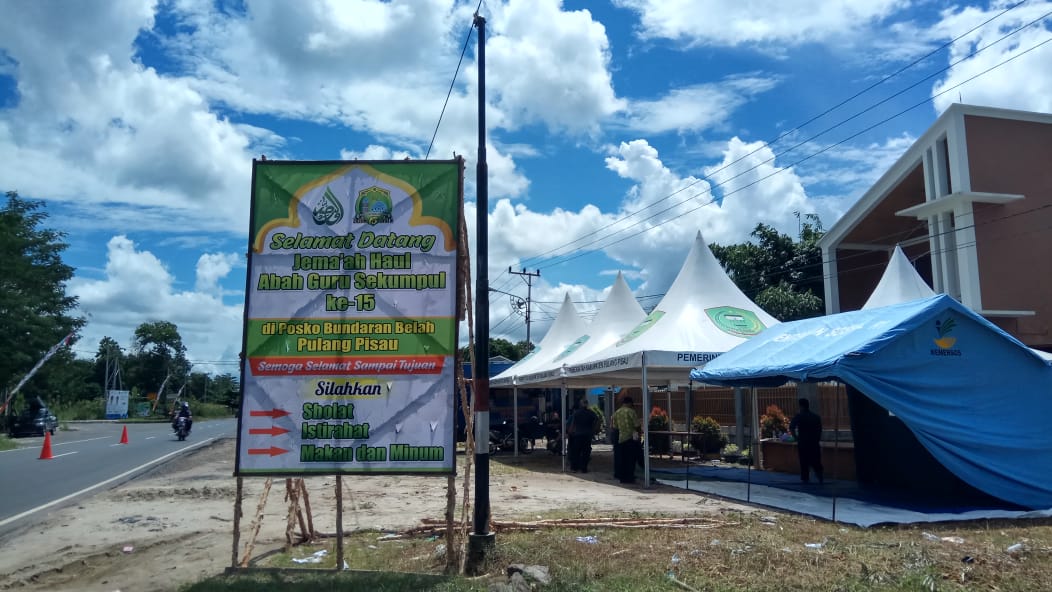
{"x":34,"y":421}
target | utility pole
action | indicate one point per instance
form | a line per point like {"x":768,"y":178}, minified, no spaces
{"x":528,"y":278}
{"x":481,"y":540}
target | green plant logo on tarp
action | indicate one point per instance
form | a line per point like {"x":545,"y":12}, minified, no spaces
{"x":328,"y":210}
{"x":735,"y":321}
{"x":946,"y":342}
{"x":373,"y":207}
{"x":642,"y":328}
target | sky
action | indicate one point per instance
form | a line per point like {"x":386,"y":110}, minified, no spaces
{"x":616,"y":130}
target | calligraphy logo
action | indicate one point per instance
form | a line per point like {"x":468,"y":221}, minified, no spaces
{"x":735,"y":321}
{"x":328,"y":210}
{"x":373,"y":207}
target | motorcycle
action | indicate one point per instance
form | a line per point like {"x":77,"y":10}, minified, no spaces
{"x":182,"y":428}
{"x":502,"y":437}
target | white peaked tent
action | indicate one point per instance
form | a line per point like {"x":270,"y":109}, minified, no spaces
{"x":566,"y":327}
{"x":702,"y":315}
{"x":619,"y":314}
{"x":900,"y":283}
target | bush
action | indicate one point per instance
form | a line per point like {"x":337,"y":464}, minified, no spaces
{"x":658,"y":419}
{"x":773,"y":423}
{"x":658,"y":422}
{"x":92,"y":409}
{"x":707,"y":435}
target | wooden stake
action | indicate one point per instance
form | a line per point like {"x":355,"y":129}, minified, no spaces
{"x":306,"y":506}
{"x":290,"y":520}
{"x":339,"y":522}
{"x":251,"y":543}
{"x":237,"y":520}
{"x":452,"y":563}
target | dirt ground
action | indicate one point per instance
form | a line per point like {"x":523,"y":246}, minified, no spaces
{"x":173,"y":525}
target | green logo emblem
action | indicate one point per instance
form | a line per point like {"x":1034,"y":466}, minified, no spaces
{"x":572,"y":347}
{"x":328,"y":210}
{"x":735,"y":321}
{"x":641,"y":328}
{"x":373,"y":207}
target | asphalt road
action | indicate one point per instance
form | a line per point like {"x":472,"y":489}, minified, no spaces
{"x":87,"y":459}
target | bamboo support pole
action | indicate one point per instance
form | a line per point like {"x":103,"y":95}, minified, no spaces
{"x":306,"y":506}
{"x":251,"y":543}
{"x":339,"y":522}
{"x":237,"y":520}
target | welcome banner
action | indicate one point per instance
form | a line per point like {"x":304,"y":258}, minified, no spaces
{"x":350,"y":318}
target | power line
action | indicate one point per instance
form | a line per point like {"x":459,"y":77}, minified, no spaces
{"x":467,"y":40}
{"x":564,"y":259}
{"x":797,"y":145}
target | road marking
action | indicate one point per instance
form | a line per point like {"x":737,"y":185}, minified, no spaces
{"x":149,"y":437}
{"x":7,"y":521}
{"x":53,"y":443}
{"x":65,"y":454}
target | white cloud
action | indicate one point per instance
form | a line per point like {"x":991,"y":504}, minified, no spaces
{"x":295,"y":60}
{"x":212,"y":267}
{"x":655,"y":224}
{"x":137,"y":288}
{"x":94,"y":126}
{"x":1023,"y":83}
{"x":697,"y":107}
{"x":768,"y":22}
{"x":550,"y":65}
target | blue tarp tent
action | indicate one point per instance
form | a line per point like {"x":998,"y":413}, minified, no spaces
{"x":974,"y":396}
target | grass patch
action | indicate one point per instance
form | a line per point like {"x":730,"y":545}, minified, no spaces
{"x":7,"y":443}
{"x":761,"y":552}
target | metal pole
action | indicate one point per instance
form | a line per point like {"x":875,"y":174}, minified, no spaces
{"x":562,"y":424}
{"x":481,"y":539}
{"x":529,"y":295}
{"x":645,"y":420}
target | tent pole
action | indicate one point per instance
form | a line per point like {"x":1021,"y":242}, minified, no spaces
{"x":755,"y":437}
{"x":739,"y":418}
{"x":836,"y":442}
{"x":515,"y":420}
{"x":688,"y":405}
{"x":562,"y":424}
{"x":645,"y":420}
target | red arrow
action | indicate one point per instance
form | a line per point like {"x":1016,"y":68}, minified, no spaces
{"x":273,"y":431}
{"x":272,"y":451}
{"x":275,"y":413}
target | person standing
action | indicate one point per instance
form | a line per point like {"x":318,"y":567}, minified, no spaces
{"x":806,"y":427}
{"x":582,"y":430}
{"x":626,"y":422}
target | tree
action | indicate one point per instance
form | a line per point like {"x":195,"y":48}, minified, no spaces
{"x":782,"y":276}
{"x":158,"y":353}
{"x":500,"y":347}
{"x":35,"y":311}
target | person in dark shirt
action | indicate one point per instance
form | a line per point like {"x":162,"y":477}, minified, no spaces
{"x":806,"y":427}
{"x":582,"y":429}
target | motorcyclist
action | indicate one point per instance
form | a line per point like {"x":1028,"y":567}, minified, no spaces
{"x":184,"y":411}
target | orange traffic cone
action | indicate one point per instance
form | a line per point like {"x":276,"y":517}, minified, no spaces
{"x":124,"y":435}
{"x":45,"y":452}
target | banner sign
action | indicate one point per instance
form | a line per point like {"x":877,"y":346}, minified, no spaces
{"x":350,"y":318}
{"x":117,"y":404}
